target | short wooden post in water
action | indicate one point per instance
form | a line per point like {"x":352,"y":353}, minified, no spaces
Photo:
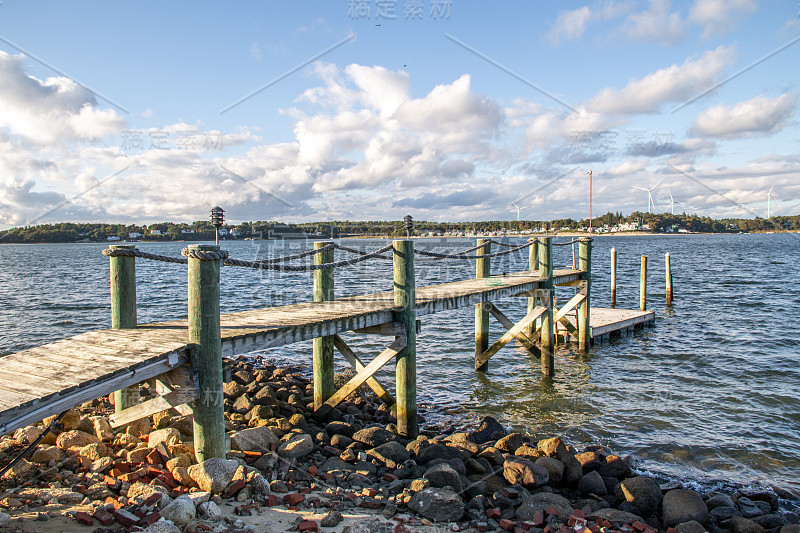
{"x":533,"y":266}
{"x":481,"y":309}
{"x":584,"y":308}
{"x":547,"y":333}
{"x":613,"y":277}
{"x":669,"y":278}
{"x":123,"y":310}
{"x":643,"y":285}
{"x":206,"y":355}
{"x":406,"y":360}
{"x":323,"y":346}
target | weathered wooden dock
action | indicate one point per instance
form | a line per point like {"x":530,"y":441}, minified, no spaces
{"x":49,"y":379}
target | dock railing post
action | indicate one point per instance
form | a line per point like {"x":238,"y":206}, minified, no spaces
{"x":584,"y":308}
{"x":669,"y":278}
{"x":533,"y":266}
{"x":123,"y":310}
{"x":547,"y":334}
{"x":643,"y":285}
{"x":613,"y":278}
{"x":406,"y":360}
{"x":206,"y":355}
{"x":482,"y":269}
{"x":323,"y":346}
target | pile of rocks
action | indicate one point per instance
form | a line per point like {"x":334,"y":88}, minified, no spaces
{"x":145,"y":476}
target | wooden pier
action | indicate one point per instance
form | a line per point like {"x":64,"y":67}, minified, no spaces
{"x":184,"y":358}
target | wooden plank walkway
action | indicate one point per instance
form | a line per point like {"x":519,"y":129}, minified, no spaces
{"x":48,"y":379}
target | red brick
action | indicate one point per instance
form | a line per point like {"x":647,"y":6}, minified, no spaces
{"x":271,"y":500}
{"x":154,"y":457}
{"x":84,"y":518}
{"x":369,"y":492}
{"x":308,"y":525}
{"x":113,"y":502}
{"x":400,"y":528}
{"x":150,"y":519}
{"x":233,"y":488}
{"x":672,"y":530}
{"x":492,"y":513}
{"x":125,"y":518}
{"x":304,"y":490}
{"x":312,"y":470}
{"x":578,"y":513}
{"x":538,"y":519}
{"x":564,"y":529}
{"x":293,"y":498}
{"x":638,"y":526}
{"x":103,"y":516}
{"x":389,"y":477}
{"x":506,"y":524}
{"x":550,"y":510}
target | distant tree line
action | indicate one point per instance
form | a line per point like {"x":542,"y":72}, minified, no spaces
{"x":202,"y":230}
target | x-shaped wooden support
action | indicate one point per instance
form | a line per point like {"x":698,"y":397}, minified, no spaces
{"x":513,"y":333}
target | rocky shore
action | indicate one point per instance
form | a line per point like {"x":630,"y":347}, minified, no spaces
{"x":348,"y":473}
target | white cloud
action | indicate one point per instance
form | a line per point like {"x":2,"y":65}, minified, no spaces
{"x":657,"y":24}
{"x":629,"y":166}
{"x":720,"y":16}
{"x":758,"y":116}
{"x":569,"y":26}
{"x":670,"y":84}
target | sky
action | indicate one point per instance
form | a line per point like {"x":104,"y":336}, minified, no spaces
{"x":447,"y":110}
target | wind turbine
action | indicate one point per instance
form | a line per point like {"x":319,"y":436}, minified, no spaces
{"x":518,"y":209}
{"x":769,"y":202}
{"x":671,"y":206}
{"x":650,"y":202}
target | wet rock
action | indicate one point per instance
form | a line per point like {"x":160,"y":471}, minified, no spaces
{"x":592,"y":483}
{"x":555,"y":468}
{"x":692,"y":526}
{"x":213,"y":475}
{"x":254,"y":440}
{"x":180,"y":512}
{"x":524,"y":472}
{"x":792,"y":528}
{"x":644,"y":493}
{"x":719,"y":500}
{"x":373,"y":437}
{"x":683,"y":505}
{"x":724,"y":512}
{"x":761,"y":495}
{"x":615,"y":516}
{"x":488,"y":430}
{"x":75,"y":439}
{"x":434,"y":452}
{"x":771,"y":521}
{"x":616,"y":467}
{"x":541,"y":500}
{"x":739,"y":524}
{"x":474,"y":467}
{"x":443,"y":475}
{"x":439,"y":505}
{"x":392,"y":454}
{"x":509,"y":443}
{"x":589,"y":461}
{"x":167,"y":436}
{"x":749,"y":508}
{"x":298,"y":445}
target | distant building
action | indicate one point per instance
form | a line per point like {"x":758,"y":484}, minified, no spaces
{"x":188,"y":231}
{"x":155,"y":232}
{"x":113,"y":238}
{"x":134,"y":235}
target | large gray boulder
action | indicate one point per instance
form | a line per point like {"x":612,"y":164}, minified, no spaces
{"x":257,"y":439}
{"x":681,"y":505}
{"x":180,"y":512}
{"x":541,"y":500}
{"x":642,"y":492}
{"x":299,"y":445}
{"x":526,"y":473}
{"x":443,"y":475}
{"x":439,"y":505}
{"x":213,"y":475}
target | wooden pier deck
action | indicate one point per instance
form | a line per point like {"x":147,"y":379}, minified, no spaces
{"x":48,"y":379}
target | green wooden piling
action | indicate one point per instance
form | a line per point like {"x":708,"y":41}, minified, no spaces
{"x":669,"y":278}
{"x":584,"y":308}
{"x":323,"y":346}
{"x":643,"y":285}
{"x":206,"y":354}
{"x":406,"y":360}
{"x":613,"y":278}
{"x":123,"y":310}
{"x":548,"y":331}
{"x":481,"y":310}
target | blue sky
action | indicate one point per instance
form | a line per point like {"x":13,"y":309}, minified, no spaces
{"x":446,"y":110}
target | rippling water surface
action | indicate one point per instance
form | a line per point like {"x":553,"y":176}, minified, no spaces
{"x":710,"y":393}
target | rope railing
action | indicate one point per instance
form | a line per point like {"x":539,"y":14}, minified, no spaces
{"x":462,"y":256}
{"x":304,"y":268}
{"x":135,"y":252}
{"x":568,"y":243}
{"x":296,"y":256}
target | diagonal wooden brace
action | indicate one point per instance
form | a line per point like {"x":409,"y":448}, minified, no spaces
{"x":387,"y":355}
{"x":521,"y":337}
{"x":176,"y":388}
{"x":561,"y":314}
{"x":535,"y":313}
{"x":353,"y":359}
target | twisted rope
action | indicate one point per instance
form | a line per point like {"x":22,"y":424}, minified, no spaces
{"x":573,"y":241}
{"x":358,"y":252}
{"x":296,"y":256}
{"x":205,"y":255}
{"x":304,"y":268}
{"x":144,"y":255}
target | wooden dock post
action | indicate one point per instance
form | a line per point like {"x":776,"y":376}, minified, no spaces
{"x":548,"y":333}
{"x":123,"y":310}
{"x":206,"y":355}
{"x":406,"y":360}
{"x":643,"y":285}
{"x":481,"y":310}
{"x":584,"y":309}
{"x":323,"y":346}
{"x":533,"y":265}
{"x":613,"y":278}
{"x":669,"y":278}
